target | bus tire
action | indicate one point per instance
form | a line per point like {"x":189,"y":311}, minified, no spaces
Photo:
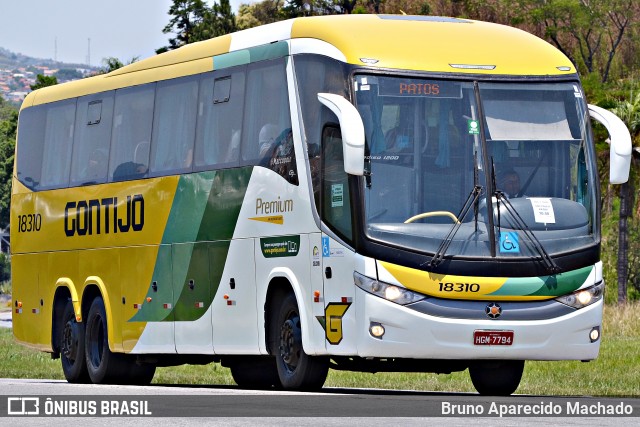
{"x":258,"y":372}
{"x":139,"y":373}
{"x":104,"y":366}
{"x":71,"y":344}
{"x":496,"y":378}
{"x":296,"y":369}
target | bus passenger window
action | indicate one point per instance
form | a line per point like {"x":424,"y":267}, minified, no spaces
{"x":30,"y":146}
{"x":219,"y":123}
{"x":267,"y":136}
{"x":58,"y":140}
{"x":336,"y":207}
{"x":174,"y":125}
{"x":90,"y":162}
{"x":131,"y":132}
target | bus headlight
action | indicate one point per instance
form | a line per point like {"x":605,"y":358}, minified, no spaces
{"x":387,"y":291}
{"x":583,"y":297}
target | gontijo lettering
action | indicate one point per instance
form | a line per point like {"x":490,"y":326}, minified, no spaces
{"x":97,"y":216}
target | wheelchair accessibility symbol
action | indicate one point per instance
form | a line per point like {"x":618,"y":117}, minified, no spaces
{"x":509,"y":242}
{"x":325,"y":247}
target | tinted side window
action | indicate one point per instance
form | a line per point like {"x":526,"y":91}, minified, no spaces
{"x":30,"y":145}
{"x":220,"y":119}
{"x":58,"y":142}
{"x":174,"y":126}
{"x":131,"y":133}
{"x":316,"y":74}
{"x":267,"y":120}
{"x":336,"y":200}
{"x":90,"y":162}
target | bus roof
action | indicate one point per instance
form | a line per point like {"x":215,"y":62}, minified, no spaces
{"x":424,"y":43}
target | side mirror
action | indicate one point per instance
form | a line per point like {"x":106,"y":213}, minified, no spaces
{"x":352,"y":130}
{"x":620,"y":151}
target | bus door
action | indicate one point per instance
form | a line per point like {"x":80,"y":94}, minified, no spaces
{"x":337,"y":259}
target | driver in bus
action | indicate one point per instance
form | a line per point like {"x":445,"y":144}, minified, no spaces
{"x":509,"y":183}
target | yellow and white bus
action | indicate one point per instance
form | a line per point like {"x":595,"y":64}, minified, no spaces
{"x":365,"y":193}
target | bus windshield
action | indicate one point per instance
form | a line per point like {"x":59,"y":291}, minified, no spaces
{"x":442,"y":154}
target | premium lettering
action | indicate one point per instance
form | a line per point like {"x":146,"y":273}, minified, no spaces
{"x":273,"y":207}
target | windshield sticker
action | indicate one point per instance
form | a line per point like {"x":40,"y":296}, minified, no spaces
{"x":543,"y":210}
{"x":473,"y":127}
{"x":509,"y":243}
{"x":337,"y":195}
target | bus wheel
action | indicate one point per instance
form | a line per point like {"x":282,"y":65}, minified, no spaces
{"x":259,"y":372}
{"x":496,"y":378}
{"x":71,"y":344}
{"x":104,"y":366}
{"x":296,"y":369}
{"x":139,"y":373}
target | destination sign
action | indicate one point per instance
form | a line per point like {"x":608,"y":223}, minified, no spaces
{"x":419,"y":88}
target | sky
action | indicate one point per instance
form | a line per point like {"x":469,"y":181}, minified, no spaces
{"x":61,"y":29}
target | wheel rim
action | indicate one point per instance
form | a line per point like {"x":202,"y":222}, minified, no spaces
{"x":291,"y":342}
{"x":96,"y":342}
{"x":70,"y":341}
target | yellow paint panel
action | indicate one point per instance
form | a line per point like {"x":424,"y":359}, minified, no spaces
{"x":16,"y":186}
{"x":433,"y":46}
{"x":136,"y":271}
{"x":108,"y":82}
{"x":188,"y":60}
{"x":26,"y":298}
{"x":51,"y":205}
{"x":429,"y":283}
{"x":188,"y":53}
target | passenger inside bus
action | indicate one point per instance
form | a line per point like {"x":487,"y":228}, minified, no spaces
{"x":136,"y":169}
{"x":266,"y":139}
{"x":96,"y":168}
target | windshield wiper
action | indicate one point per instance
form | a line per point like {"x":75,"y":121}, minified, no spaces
{"x":548,"y":262}
{"x":472,"y":200}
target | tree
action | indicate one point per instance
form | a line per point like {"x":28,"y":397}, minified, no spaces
{"x":194,"y":21}
{"x":44,"y":81}
{"x":68,"y":74}
{"x":186,"y":16}
{"x":8,"y":127}
{"x":112,"y":63}
{"x":629,"y":112}
{"x":264,"y":12}
{"x":588,"y":32}
{"x":224,"y":21}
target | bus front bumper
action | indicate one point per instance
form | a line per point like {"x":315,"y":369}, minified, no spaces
{"x":411,"y":334}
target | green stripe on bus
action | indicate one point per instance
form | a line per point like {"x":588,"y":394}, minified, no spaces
{"x":195,"y":245}
{"x":253,"y":54}
{"x":160,"y":290}
{"x":556,"y":285}
{"x":219,"y":219}
{"x":189,"y":204}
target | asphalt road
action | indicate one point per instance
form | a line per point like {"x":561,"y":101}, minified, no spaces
{"x":158,"y":405}
{"x":230,"y":406}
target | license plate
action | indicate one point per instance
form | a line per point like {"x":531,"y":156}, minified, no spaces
{"x":492,"y":337}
